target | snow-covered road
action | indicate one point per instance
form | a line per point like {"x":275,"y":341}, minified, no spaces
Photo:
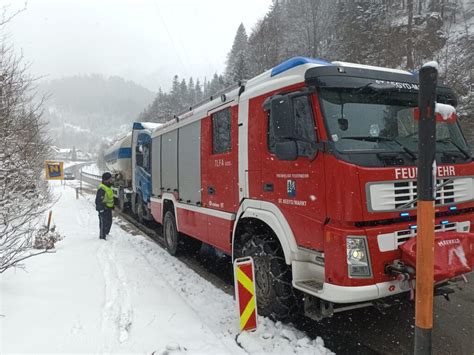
{"x":125,"y":294}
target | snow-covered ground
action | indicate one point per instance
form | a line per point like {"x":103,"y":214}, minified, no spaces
{"x":70,"y":163}
{"x":91,"y":169}
{"x":125,"y":294}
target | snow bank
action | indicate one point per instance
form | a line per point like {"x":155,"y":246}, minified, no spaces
{"x":277,"y":338}
{"x":432,"y":64}
{"x":446,"y":111}
{"x":92,"y":169}
{"x":152,"y":126}
{"x":70,"y":163}
{"x":125,"y":294}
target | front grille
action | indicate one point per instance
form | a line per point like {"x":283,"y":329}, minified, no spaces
{"x":391,"y":241}
{"x":406,"y":191}
{"x":404,"y":235}
{"x":400,"y":195}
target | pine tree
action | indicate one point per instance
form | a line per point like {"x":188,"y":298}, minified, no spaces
{"x":198,"y":92}
{"x":74,"y":154}
{"x":174,"y":98}
{"x":237,"y":67}
{"x":191,"y":97}
{"x":183,"y":96}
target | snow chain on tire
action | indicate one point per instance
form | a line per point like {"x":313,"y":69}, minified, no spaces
{"x":276,"y":297}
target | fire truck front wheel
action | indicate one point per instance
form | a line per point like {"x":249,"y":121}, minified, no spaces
{"x":276,"y":297}
{"x":170,"y":233}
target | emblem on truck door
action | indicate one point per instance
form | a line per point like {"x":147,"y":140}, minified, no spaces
{"x":291,"y":188}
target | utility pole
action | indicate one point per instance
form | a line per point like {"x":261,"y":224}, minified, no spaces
{"x":426,"y":208}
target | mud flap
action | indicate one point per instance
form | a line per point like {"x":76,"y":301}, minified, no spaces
{"x":453,"y":254}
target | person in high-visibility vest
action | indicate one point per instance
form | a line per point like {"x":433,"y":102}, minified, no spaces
{"x":104,"y":204}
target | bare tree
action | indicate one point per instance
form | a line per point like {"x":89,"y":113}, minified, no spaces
{"x":410,"y":64}
{"x":24,"y":195}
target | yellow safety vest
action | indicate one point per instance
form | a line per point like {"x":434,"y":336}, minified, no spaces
{"x":109,"y":195}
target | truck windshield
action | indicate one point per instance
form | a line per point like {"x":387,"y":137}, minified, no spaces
{"x":364,"y":120}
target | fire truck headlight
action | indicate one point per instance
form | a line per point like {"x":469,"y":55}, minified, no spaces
{"x":358,"y":260}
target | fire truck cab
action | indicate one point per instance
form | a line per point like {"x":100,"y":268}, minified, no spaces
{"x":310,"y":168}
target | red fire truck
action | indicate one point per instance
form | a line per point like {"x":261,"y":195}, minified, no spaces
{"x":310,"y":168}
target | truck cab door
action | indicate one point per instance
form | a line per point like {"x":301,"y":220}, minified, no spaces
{"x":293,"y":167}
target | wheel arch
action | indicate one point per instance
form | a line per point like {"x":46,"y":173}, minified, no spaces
{"x":272,"y":217}
{"x":169,"y":204}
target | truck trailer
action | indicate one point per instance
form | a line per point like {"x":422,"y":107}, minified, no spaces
{"x":129,"y":159}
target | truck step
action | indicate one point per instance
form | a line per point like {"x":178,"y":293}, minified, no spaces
{"x":309,"y":285}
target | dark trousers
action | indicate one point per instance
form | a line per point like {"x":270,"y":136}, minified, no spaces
{"x":105,"y":222}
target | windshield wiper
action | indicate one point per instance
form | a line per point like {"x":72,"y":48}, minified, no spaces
{"x":368,"y":138}
{"x":461,"y":149}
{"x":384,"y":139}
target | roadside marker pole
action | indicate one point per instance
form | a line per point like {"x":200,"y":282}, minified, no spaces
{"x":426,"y":184}
{"x":49,"y":220}
{"x":244,"y":278}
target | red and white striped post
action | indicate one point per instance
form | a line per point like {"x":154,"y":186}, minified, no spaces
{"x":244,"y":277}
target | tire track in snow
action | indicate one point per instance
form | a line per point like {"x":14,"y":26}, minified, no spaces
{"x":144,"y":248}
{"x":117,"y":312}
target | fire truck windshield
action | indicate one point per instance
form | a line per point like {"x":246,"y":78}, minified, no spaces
{"x":363,"y":120}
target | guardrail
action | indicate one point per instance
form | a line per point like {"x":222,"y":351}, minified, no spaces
{"x":89,"y":178}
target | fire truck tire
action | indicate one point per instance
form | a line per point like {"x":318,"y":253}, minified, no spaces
{"x":140,"y":208}
{"x":121,"y":199}
{"x":170,"y":233}
{"x":276,"y":297}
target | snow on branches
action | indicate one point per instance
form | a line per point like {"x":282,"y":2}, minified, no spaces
{"x":24,"y":195}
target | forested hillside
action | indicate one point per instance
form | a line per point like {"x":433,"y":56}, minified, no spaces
{"x":84,"y":110}
{"x":391,"y":33}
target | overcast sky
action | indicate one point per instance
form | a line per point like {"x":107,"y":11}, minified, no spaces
{"x":147,"y":41}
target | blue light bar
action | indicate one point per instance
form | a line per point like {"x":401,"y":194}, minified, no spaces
{"x":413,"y":227}
{"x":444,"y":222}
{"x":294,"y":62}
{"x":453,"y":208}
{"x":404,"y":214}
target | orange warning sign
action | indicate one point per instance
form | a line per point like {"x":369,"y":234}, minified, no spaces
{"x":245,"y":293}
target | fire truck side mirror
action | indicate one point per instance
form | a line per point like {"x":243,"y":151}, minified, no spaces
{"x":281,"y":112}
{"x":286,"y":150}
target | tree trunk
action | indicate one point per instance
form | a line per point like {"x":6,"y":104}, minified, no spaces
{"x":410,"y":64}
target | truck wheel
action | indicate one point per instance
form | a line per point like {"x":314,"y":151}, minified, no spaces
{"x":170,"y":233}
{"x":121,"y":199}
{"x":276,"y":297}
{"x":140,"y":209}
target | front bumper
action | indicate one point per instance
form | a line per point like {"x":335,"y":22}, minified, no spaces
{"x":353,"y":294}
